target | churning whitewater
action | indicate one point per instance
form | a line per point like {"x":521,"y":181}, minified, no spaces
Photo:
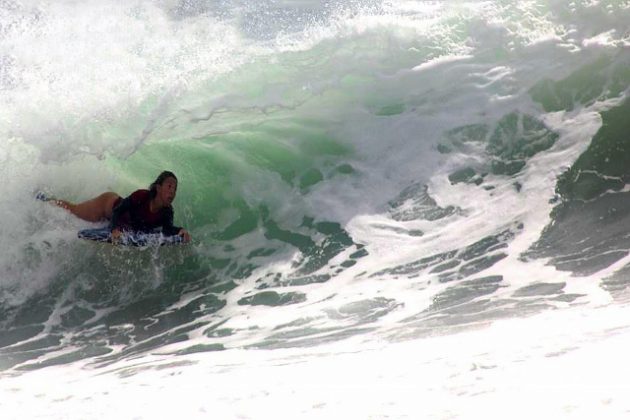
{"x":399,"y":209}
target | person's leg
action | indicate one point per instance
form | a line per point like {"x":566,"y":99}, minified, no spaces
{"x":94,"y":210}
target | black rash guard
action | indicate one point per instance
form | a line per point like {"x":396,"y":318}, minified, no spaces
{"x":134,"y":213}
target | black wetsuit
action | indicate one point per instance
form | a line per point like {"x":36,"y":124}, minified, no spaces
{"x":134,"y":213}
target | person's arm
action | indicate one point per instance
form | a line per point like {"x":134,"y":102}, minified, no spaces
{"x":167,"y":223}
{"x":123,"y":207}
{"x":169,"y":230}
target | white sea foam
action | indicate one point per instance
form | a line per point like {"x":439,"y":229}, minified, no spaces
{"x":568,"y":364}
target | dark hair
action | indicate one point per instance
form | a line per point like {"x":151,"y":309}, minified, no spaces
{"x":159,"y":181}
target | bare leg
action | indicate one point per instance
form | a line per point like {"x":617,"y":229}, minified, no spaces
{"x":94,"y":210}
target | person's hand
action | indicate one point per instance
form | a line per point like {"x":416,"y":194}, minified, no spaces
{"x":116,"y":235}
{"x":184,"y":234}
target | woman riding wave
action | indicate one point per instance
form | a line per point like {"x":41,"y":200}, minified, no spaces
{"x":142,"y":211}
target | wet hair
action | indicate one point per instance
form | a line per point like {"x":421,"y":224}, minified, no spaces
{"x":159,"y":181}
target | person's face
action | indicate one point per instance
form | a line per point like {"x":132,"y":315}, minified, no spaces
{"x":167,"y":190}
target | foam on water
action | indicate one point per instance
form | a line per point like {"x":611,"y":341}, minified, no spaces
{"x":567,"y":364}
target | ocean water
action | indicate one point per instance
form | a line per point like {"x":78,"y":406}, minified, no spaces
{"x":399,"y":209}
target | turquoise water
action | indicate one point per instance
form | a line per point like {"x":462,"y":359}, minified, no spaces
{"x":371,"y":171}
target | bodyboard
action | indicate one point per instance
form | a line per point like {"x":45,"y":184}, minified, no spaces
{"x":130,"y":238}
